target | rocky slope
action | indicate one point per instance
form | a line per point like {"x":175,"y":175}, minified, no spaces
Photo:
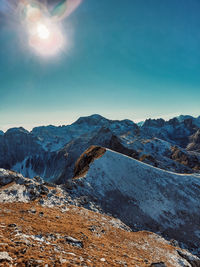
{"x":39,"y":227}
{"x":194,"y":144}
{"x":140,"y":195}
{"x":78,"y":237}
{"x":51,"y":152}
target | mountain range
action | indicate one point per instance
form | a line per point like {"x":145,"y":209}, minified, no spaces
{"x":145,"y":176}
{"x":51,"y":152}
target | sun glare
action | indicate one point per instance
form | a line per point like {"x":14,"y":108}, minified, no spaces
{"x":43,"y":26}
{"x":45,"y":35}
{"x":46,"y":38}
{"x":43,"y":31}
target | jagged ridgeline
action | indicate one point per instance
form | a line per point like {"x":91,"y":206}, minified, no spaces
{"x":51,"y":152}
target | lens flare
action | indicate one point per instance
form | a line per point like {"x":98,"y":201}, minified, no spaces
{"x":44,"y":28}
{"x":64,"y":8}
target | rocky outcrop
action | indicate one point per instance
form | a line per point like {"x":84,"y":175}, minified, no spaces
{"x":7,"y":177}
{"x":4,"y":257}
{"x":194,"y":261}
{"x":191,"y":161}
{"x":15,"y":187}
{"x":83,"y":164}
{"x":194,"y":144}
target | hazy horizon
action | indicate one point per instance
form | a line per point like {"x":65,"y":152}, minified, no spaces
{"x":30,"y":126}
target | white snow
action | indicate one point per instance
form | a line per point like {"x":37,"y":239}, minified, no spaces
{"x":16,"y":191}
{"x":5,"y":256}
{"x":158,"y":193}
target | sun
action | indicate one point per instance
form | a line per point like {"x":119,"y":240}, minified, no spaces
{"x":46,"y":37}
{"x":43,"y":31}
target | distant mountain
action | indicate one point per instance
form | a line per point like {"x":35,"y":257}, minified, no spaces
{"x":51,"y":151}
{"x":181,"y":118}
{"x":173,"y":131}
{"x":196,"y":121}
{"x":140,"y":123}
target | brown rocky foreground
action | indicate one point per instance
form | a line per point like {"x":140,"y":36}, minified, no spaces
{"x":32,"y":235}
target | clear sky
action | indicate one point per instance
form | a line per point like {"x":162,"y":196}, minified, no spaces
{"x":132,"y":59}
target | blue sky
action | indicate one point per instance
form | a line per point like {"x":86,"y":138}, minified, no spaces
{"x":132,"y":59}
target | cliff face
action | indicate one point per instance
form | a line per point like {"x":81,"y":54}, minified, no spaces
{"x":16,"y":144}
